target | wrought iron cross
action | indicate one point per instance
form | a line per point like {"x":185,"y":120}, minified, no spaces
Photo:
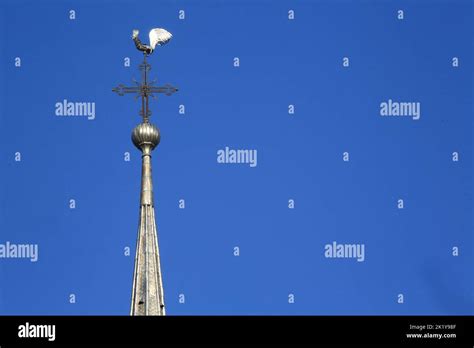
{"x":145,"y":89}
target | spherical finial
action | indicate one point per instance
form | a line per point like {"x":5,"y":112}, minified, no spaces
{"x":146,"y":137}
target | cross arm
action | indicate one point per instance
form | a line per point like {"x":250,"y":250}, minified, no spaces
{"x":122,"y":89}
{"x":166,"y":89}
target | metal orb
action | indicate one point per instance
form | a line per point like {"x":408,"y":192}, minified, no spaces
{"x":146,"y":135}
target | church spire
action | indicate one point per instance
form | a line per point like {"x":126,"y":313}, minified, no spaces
{"x":147,"y":289}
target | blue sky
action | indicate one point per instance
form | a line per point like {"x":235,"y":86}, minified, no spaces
{"x":337,"y":109}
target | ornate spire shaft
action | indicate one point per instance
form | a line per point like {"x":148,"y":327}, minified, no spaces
{"x":147,"y":291}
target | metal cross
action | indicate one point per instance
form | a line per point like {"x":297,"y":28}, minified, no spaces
{"x":145,"y":89}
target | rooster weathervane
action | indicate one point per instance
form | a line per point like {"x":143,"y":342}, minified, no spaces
{"x":158,"y":37}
